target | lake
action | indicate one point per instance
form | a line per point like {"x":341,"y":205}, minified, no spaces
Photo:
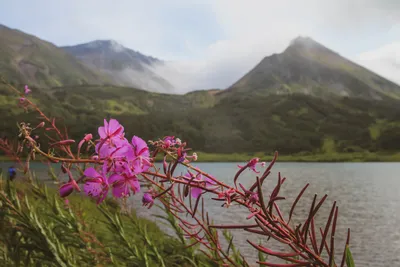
{"x":368,"y":196}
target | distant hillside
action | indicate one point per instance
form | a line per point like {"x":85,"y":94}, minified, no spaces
{"x":26,"y":59}
{"x":310,"y":68}
{"x":126,"y":67}
{"x":307,"y":99}
{"x":211,"y":123}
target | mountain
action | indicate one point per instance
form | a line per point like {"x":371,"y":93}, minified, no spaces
{"x":310,"y":68}
{"x":126,"y":67}
{"x":241,"y":123}
{"x":26,"y":59}
{"x":291,"y":102}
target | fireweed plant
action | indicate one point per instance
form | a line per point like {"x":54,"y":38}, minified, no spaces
{"x":124,"y":166}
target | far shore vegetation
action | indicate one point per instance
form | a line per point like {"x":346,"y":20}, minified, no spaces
{"x":299,"y":157}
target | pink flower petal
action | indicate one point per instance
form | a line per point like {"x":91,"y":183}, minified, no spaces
{"x":114,"y":126}
{"x":93,"y":189}
{"x":196,"y":192}
{"x":102,"y":196}
{"x":139,"y":165}
{"x":125,"y":150}
{"x":91,"y":172}
{"x":209,"y":181}
{"x":120,"y":190}
{"x":102,"y":132}
{"x":116,"y":178}
{"x":135,"y":185}
{"x":139,"y":144}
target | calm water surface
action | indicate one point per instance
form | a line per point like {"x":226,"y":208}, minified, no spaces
{"x":368,"y":196}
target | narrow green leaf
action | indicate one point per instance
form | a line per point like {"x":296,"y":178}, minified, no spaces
{"x":261,"y":257}
{"x":349,"y":258}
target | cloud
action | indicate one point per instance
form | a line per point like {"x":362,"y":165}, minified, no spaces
{"x":258,"y":28}
{"x":211,"y":43}
{"x":384,"y":61}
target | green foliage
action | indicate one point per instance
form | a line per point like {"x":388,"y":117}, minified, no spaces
{"x":38,"y":228}
{"x":215,"y":124}
{"x":349,"y":257}
{"x":261,"y":257}
{"x":232,"y":251}
{"x":28,"y":60}
{"x":328,"y":145}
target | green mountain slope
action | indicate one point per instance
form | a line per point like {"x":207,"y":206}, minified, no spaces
{"x":306,"y":99}
{"x":26,"y":59}
{"x":241,"y":123}
{"x":310,"y":68}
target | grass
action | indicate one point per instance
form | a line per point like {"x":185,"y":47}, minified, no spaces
{"x":38,"y":229}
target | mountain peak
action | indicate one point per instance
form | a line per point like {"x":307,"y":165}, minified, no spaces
{"x":106,"y":44}
{"x":309,"y":67}
{"x":302,"y":40}
{"x":306,"y":45}
{"x":305,"y":42}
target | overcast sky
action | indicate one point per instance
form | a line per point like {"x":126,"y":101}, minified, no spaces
{"x":212,"y":43}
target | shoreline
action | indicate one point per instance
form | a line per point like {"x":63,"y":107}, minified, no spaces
{"x":332,"y":157}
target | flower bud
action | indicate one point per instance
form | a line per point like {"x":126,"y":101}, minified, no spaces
{"x":88,"y":137}
{"x":165,"y":164}
{"x":167,"y":143}
{"x":63,"y":143}
{"x":27,"y":90}
{"x":147,"y":200}
{"x":66,"y":189}
{"x":40,"y":125}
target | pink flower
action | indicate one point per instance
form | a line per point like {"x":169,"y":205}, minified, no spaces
{"x":193,"y":156}
{"x":111,"y":129}
{"x":181,"y":155}
{"x":147,"y":200}
{"x":123,"y":184}
{"x":111,"y":138}
{"x":198,"y":180}
{"x":251,"y":196}
{"x":251,"y":165}
{"x":263,"y":164}
{"x":169,"y":141}
{"x":110,"y":148}
{"x":22,"y":100}
{"x":27,"y":90}
{"x":96,"y":184}
{"x":119,"y":159}
{"x":67,"y":188}
{"x":227,"y":195}
{"x":141,"y":152}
